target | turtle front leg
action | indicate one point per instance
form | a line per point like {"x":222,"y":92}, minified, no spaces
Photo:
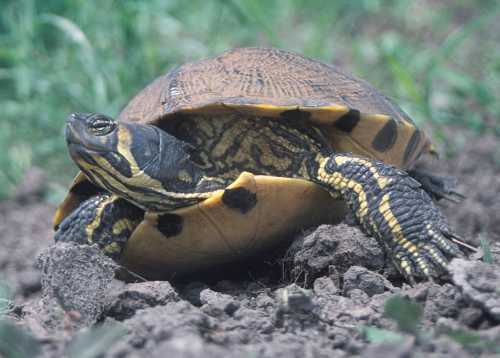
{"x":105,"y":220}
{"x":392,"y":206}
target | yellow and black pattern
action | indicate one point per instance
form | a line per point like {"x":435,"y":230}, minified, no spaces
{"x":105,"y":220}
{"x":228,"y":145}
{"x":391,"y":206}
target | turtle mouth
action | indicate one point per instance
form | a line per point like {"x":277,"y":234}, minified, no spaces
{"x":77,"y":149}
{"x":71,"y":135}
{"x":74,"y":130}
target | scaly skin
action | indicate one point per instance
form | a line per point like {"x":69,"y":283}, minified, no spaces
{"x":391,"y":206}
{"x":105,"y":220}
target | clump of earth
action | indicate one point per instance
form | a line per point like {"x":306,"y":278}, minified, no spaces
{"x":326,"y":295}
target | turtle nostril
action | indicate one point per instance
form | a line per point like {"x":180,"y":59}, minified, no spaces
{"x":71,"y":128}
{"x":72,"y":117}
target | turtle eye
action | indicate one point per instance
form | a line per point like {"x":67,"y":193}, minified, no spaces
{"x":101,"y":126}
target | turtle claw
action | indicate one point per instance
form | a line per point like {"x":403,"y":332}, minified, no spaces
{"x":431,"y":259}
{"x":420,"y":266}
{"x":406,"y":267}
{"x":459,"y":242}
{"x":426,"y":244}
{"x":412,"y":269}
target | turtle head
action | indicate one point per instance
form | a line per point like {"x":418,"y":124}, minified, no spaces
{"x":98,"y":142}
{"x":138,"y":162}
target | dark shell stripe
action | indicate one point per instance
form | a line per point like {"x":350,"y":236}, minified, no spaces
{"x":386,"y":137}
{"x":412,"y":146}
{"x":348,"y":121}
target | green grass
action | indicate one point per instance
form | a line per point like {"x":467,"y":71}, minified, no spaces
{"x":440,"y":62}
{"x":408,"y":318}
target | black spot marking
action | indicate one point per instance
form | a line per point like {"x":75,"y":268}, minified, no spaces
{"x":295,"y":114}
{"x":239,"y":198}
{"x":348,"y":121}
{"x":85,"y":188}
{"x":169,"y":224}
{"x":412,"y":145}
{"x":386,"y":137}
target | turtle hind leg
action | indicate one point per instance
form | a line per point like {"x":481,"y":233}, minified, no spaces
{"x":105,"y":220}
{"x":439,"y":187}
{"x":391,"y":206}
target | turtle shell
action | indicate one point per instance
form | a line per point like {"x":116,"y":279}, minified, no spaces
{"x":354,"y":116}
{"x":264,"y":82}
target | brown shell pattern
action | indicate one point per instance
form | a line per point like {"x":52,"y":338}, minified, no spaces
{"x":257,"y":76}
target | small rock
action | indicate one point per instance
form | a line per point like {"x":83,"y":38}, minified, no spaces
{"x":384,"y":350}
{"x":470,"y":316}
{"x":325,"y":287}
{"x":358,"y":296}
{"x":78,"y":278}
{"x":439,"y":300}
{"x":326,"y":247}
{"x":479,"y":282}
{"x":495,"y":253}
{"x":339,"y":336}
{"x":216,"y":303}
{"x":445,"y":347}
{"x":136,"y":296}
{"x":445,"y":325}
{"x":264,"y":301}
{"x":361,"y":278}
{"x":295,"y":299}
{"x":160,"y":323}
{"x":492,"y":334}
{"x":362,"y":313}
{"x":446,"y":328}
{"x":254,"y":320}
{"x":189,"y":346}
{"x":349,"y":311}
{"x":288,"y":346}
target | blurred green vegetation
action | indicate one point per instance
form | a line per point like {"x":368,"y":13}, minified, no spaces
{"x":439,"y":60}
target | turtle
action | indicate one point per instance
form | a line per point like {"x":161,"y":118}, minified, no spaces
{"x":222,"y":159}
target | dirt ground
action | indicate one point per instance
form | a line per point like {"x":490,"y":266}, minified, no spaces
{"x":323,"y":298}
